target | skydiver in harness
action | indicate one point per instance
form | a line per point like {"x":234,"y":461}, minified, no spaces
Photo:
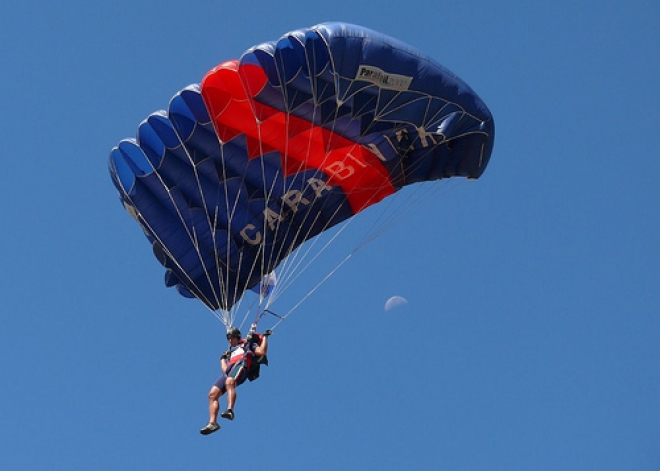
{"x":240,"y":362}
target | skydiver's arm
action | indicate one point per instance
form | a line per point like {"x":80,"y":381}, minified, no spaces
{"x":262,"y":349}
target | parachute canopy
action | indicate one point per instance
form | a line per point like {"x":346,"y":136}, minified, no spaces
{"x":291,"y":139}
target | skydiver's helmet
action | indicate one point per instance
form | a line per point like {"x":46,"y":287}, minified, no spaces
{"x":233,"y":333}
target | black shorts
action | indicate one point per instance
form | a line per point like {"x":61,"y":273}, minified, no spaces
{"x":238,"y":371}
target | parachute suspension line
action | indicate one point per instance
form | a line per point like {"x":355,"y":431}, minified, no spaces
{"x":371,"y":235}
{"x":288,"y":263}
{"x":289,"y":281}
{"x":292,"y":260}
{"x":225,"y":281}
{"x":259,"y":315}
{"x":253,"y":266}
{"x":290,"y":267}
{"x":247,"y":314}
{"x":267,"y":263}
{"x":240,"y":289}
{"x":285,"y":250}
{"x":284,"y":153}
{"x":386,"y":219}
{"x":390,"y":217}
{"x":313,"y":290}
{"x":144,"y":222}
{"x":301,"y":255}
{"x":211,"y":225}
{"x":226,"y":316}
{"x":291,"y":263}
{"x":403,"y":205}
{"x":166,"y":250}
{"x":223,"y":271}
{"x":221,"y":296}
{"x":390,"y":214}
{"x":220,"y":315}
{"x":296,"y":271}
{"x":268,"y":193}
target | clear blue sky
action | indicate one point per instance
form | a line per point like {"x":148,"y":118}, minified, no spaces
{"x":531,"y":337}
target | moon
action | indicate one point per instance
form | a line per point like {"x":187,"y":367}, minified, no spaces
{"x":394,"y":302}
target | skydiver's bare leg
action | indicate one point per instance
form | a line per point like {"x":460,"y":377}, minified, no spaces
{"x":231,"y":393}
{"x":214,"y":404}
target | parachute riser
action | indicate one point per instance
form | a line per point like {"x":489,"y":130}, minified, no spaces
{"x":260,"y":315}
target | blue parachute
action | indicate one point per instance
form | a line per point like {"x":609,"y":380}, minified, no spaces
{"x":294,"y":137}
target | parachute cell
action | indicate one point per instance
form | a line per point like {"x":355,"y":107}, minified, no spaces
{"x":293,"y":138}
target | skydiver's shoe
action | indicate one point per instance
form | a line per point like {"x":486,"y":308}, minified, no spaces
{"x":228,"y":414}
{"x":209,"y":428}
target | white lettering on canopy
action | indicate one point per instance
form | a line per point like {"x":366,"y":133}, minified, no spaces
{"x":294,"y":201}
